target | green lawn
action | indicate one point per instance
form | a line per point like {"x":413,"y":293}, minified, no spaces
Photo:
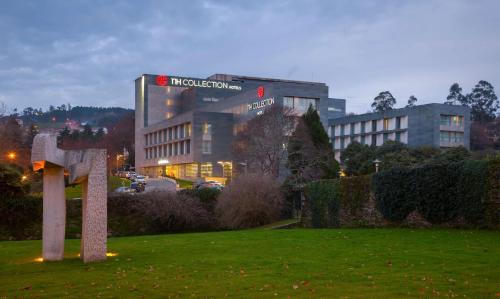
{"x":113,"y":183}
{"x":329,"y":263}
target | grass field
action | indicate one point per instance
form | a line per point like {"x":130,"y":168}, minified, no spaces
{"x":295,"y":263}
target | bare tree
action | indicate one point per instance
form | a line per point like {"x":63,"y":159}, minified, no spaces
{"x":261,"y":145}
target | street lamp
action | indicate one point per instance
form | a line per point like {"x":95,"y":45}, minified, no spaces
{"x":11,"y":155}
{"x":377,"y":163}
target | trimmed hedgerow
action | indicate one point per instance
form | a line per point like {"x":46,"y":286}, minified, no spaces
{"x":20,"y":218}
{"x":434,"y":185}
{"x":492,"y":212}
{"x":395,"y":193}
{"x":355,"y":193}
{"x":323,"y":200}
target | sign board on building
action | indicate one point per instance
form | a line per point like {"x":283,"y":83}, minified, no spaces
{"x":163,"y":80}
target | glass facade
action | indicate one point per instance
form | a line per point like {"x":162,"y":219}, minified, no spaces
{"x":300,"y":104}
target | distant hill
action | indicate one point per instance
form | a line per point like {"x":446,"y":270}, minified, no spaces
{"x":94,"y":116}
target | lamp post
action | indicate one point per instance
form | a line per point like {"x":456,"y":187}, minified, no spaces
{"x":11,"y":156}
{"x":377,"y":163}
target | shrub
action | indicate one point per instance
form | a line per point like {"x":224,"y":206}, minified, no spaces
{"x":355,"y":193}
{"x":11,"y":184}
{"x":21,"y":218}
{"x":394,"y":193}
{"x":207,"y":196}
{"x":156,"y":212}
{"x":323,"y":203}
{"x":250,"y":200}
{"x":492,"y":207}
{"x":434,"y":185}
{"x":470,"y":186}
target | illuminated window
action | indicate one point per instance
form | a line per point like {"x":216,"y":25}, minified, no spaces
{"x":386,"y":124}
{"x":188,"y":129}
{"x":192,"y":170}
{"x":206,"y":169}
{"x":207,"y":128}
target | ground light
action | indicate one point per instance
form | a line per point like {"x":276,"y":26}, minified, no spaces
{"x":38,"y":259}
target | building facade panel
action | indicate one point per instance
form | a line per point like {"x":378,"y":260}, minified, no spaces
{"x":185,"y":126}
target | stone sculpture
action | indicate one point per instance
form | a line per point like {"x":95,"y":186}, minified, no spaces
{"x":86,"y":167}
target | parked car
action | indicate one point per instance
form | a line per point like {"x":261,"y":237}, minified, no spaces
{"x":124,"y":190}
{"x":210,"y":184}
{"x":140,"y":179}
{"x":138,"y":187}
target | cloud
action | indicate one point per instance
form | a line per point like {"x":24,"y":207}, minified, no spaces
{"x":89,"y":53}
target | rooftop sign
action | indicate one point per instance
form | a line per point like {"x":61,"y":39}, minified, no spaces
{"x":163,"y":80}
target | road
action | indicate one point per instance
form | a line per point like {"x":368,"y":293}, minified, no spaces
{"x":157,"y":184}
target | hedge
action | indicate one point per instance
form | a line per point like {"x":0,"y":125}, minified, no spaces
{"x":323,"y":203}
{"x":460,"y":194}
{"x":455,"y":194}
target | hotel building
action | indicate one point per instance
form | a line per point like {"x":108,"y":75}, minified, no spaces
{"x":184,"y":127}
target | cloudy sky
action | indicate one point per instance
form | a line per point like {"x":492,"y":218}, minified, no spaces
{"x":89,"y":52}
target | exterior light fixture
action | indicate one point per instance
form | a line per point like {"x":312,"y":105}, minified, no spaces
{"x":377,"y":163}
{"x":163,"y":162}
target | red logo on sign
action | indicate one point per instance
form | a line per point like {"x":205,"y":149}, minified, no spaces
{"x":260,"y":91}
{"x":161,"y":80}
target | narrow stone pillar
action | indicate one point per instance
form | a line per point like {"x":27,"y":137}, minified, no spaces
{"x":54,"y":213}
{"x":94,"y":218}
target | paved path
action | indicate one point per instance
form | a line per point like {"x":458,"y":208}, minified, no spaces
{"x":160,"y":185}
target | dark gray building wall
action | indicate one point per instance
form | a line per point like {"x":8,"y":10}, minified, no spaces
{"x":423,"y":122}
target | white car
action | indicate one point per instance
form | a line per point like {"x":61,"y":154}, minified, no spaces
{"x":141,"y":179}
{"x":124,"y":190}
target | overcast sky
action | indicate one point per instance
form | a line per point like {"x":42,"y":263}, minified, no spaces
{"x":89,"y":52}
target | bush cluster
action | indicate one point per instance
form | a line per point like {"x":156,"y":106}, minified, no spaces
{"x":459,"y":194}
{"x":455,"y":193}
{"x":20,"y":218}
{"x":323,"y":203}
{"x":250,"y":200}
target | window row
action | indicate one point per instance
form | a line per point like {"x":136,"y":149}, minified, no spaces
{"x":173,"y":133}
{"x":376,"y":125}
{"x":451,"y":137}
{"x":169,"y":150}
{"x":452,"y":121}
{"x":340,"y":143}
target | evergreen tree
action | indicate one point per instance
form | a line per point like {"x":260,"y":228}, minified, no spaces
{"x":87,"y":133}
{"x":411,"y":101}
{"x":316,"y":129}
{"x":383,"y":102}
{"x":99,"y":134}
{"x":455,"y":97}
{"x":483,"y":102}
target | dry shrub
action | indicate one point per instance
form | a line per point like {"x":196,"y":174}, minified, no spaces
{"x":156,"y":212}
{"x":250,"y":200}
